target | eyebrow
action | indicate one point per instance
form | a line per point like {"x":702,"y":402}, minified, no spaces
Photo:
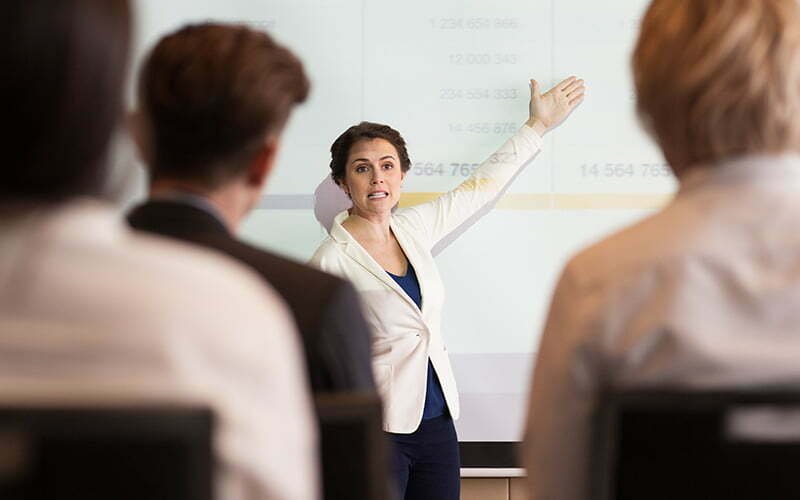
{"x":391,"y":157}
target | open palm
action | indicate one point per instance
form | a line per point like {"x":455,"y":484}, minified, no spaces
{"x":555,"y":105}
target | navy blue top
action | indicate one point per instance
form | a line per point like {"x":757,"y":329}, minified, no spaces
{"x":435,"y":404}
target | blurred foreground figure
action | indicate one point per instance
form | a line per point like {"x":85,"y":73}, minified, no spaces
{"x":89,"y":311}
{"x":214,"y":100}
{"x":706,"y":292}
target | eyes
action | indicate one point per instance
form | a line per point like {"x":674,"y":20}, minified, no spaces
{"x":365,"y":167}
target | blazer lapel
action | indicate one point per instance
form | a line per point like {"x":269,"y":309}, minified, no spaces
{"x":410,"y":249}
{"x":356,"y":252}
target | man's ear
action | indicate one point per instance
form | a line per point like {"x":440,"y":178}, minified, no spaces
{"x":262,"y":164}
{"x":140,"y":134}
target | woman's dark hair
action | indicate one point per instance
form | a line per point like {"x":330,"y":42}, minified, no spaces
{"x":63,"y":71}
{"x":340,"y":149}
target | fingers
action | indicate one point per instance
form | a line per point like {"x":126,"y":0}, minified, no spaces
{"x":563,"y":84}
{"x":535,"y":90}
{"x":573,"y":90}
{"x":576,"y":90}
{"x":568,"y":85}
{"x":575,"y":101}
{"x":572,"y":85}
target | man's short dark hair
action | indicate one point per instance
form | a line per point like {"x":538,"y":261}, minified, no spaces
{"x":210,"y":94}
{"x":63,"y":66}
{"x":340,"y":149}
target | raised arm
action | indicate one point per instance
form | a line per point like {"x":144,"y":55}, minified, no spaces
{"x":445,"y":214}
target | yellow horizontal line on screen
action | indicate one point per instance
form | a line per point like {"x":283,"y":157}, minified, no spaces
{"x":560,"y":201}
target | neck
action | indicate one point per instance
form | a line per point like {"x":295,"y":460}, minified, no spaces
{"x":229,"y":200}
{"x":375,"y":227}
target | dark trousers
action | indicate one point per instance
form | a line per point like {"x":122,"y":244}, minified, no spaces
{"x":425,"y":464}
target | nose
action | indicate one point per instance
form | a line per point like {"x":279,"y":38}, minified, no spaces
{"x":377,"y":177}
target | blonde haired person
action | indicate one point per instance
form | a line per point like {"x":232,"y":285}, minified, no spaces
{"x":706,"y":292}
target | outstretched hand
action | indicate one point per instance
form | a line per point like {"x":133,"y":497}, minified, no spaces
{"x":548,"y":110}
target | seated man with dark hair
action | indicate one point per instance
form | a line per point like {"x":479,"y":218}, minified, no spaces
{"x":214,"y":100}
{"x":94,"y":313}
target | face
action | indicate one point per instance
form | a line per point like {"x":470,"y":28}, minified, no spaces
{"x":373,"y":177}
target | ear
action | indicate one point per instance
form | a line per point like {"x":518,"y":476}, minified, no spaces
{"x":346,"y":190}
{"x":262,"y":164}
{"x":341,"y":185}
{"x":139,"y":130}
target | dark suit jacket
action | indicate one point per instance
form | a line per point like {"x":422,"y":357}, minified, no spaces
{"x":326,"y":309}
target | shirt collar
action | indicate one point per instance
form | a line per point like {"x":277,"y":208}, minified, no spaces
{"x":752,"y":169}
{"x":194,"y":200}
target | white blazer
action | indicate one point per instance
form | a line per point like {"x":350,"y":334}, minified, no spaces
{"x":404,"y":337}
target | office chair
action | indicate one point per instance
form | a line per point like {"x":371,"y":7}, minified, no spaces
{"x":109,"y":453}
{"x":353,"y":447}
{"x":730,"y":445}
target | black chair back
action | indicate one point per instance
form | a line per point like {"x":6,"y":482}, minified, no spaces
{"x":657,"y":445}
{"x":93,"y":453}
{"x":353,"y":447}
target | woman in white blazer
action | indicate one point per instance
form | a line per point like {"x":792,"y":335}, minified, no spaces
{"x":386,"y":254}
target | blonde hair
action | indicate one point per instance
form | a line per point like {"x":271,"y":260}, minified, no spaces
{"x":719,"y":78}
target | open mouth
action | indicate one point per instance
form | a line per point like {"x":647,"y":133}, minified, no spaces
{"x":377,"y":195}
